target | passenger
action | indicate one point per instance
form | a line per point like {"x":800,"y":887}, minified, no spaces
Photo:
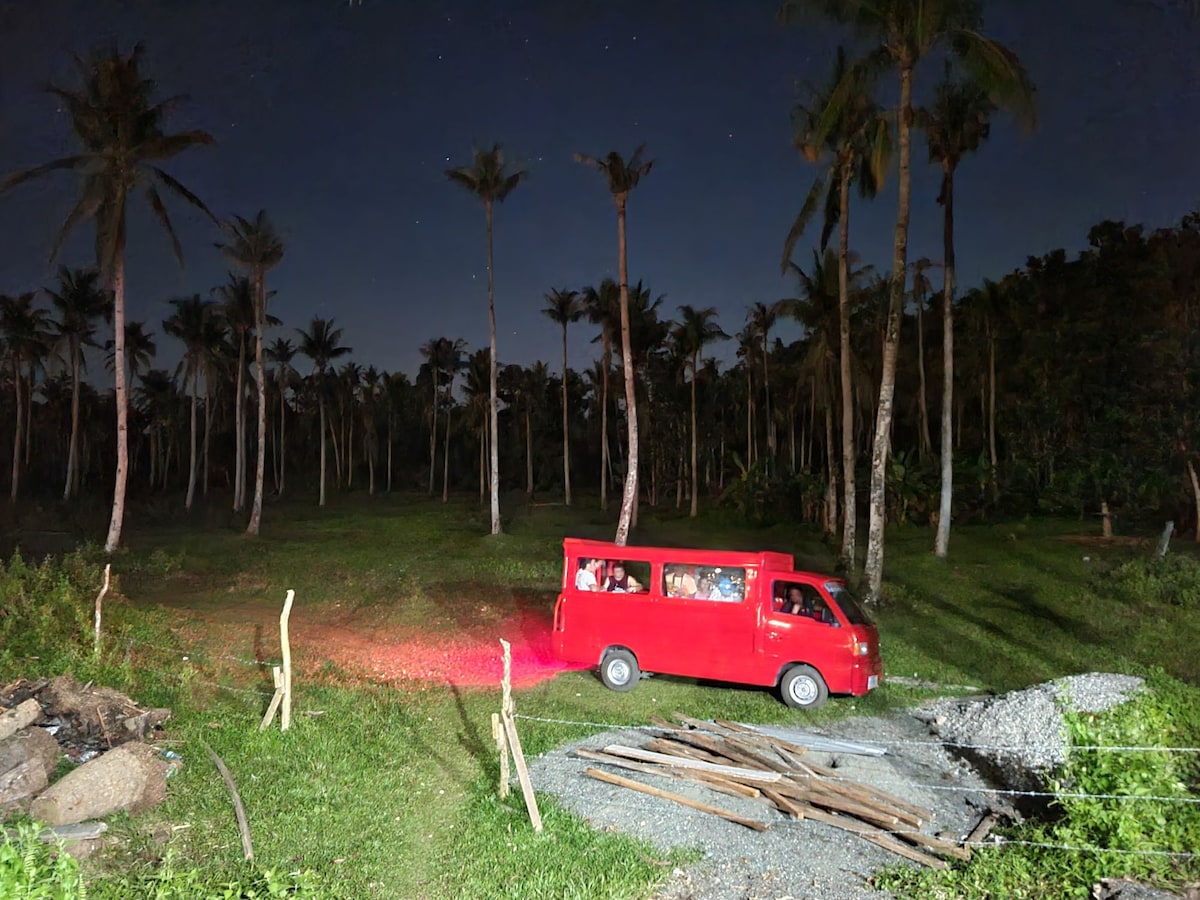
{"x":585,"y":578}
{"x":707,"y":589}
{"x":620,"y":581}
{"x":679,"y":581}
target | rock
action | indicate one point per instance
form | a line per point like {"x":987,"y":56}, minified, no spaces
{"x":131,"y":777}
{"x":21,"y":716}
{"x":19,"y":785}
{"x":29,"y":743}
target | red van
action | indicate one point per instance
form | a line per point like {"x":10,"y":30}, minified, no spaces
{"x":714,"y":614}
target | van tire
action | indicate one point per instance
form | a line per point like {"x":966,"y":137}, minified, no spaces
{"x":619,"y":670}
{"x":802,"y":687}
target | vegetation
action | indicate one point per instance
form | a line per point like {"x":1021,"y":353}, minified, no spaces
{"x":398,"y":773}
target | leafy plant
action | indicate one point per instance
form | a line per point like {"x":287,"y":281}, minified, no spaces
{"x":34,"y":870}
{"x":1173,"y":580}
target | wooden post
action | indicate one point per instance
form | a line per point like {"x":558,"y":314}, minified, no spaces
{"x":507,"y":709}
{"x":285,"y":714}
{"x":1164,"y":542}
{"x":277,"y":679}
{"x":501,"y":748}
{"x":99,"y":602}
{"x":1106,"y":528}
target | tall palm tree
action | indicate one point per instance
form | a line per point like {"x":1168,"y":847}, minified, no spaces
{"x":760,"y":319}
{"x":26,"y":332}
{"x":79,"y":301}
{"x":237,"y":301}
{"x":857,"y":143}
{"x":694,"y":332}
{"x":139,"y":351}
{"x":282,"y":352}
{"x":603,"y":309}
{"x":622,"y":177}
{"x":905,"y":32}
{"x":491,"y":180}
{"x":450,"y":362}
{"x":955,"y":125}
{"x":564,"y":307}
{"x":190,"y":324}
{"x":120,"y":125}
{"x":255,"y":246}
{"x":322,"y":344}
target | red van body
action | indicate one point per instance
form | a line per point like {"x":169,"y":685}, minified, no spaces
{"x":714,"y":614}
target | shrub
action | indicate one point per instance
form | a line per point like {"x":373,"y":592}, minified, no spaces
{"x":1172,"y":580}
{"x":35,"y":870}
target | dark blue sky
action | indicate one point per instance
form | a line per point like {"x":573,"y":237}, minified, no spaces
{"x":340,"y":119}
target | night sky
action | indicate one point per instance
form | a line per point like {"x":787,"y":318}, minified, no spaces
{"x":339,"y":119}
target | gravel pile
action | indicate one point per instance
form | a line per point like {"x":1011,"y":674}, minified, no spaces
{"x":806,"y":859}
{"x":1019,"y":738}
{"x":796,"y":859}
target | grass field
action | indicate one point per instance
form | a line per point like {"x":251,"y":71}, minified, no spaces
{"x":386,"y":788}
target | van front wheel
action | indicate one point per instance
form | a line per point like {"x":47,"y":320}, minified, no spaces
{"x":803,"y":687}
{"x":619,"y":670}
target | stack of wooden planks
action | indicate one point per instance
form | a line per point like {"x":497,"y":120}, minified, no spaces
{"x":730,"y":758}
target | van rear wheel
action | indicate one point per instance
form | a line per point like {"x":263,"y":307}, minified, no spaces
{"x":802,"y":687}
{"x":619,"y":670}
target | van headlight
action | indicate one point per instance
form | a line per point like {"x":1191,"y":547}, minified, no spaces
{"x":862,"y":648}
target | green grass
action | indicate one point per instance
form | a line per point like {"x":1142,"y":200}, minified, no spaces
{"x":389,"y":790}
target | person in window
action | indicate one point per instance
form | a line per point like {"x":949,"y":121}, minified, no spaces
{"x":706,"y":588}
{"x":679,"y":581}
{"x":797,"y":603}
{"x":621,"y":581}
{"x":585,"y":578}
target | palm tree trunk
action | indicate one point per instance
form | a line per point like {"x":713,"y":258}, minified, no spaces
{"x":207,"y":429}
{"x":113,"y":539}
{"x":749,"y":417}
{"x":260,"y":471}
{"x":831,"y":501}
{"x":767,"y":405}
{"x":29,"y":414}
{"x":446,"y":454}
{"x":493,"y":405}
{"x":73,"y":446}
{"x":942,"y":542}
{"x":629,"y":497}
{"x":992,"y":418}
{"x":191,"y":489}
{"x":873,"y":570}
{"x":566,"y":429}
{"x":20,"y":401}
{"x":433,"y":425}
{"x":239,"y":415}
{"x":528,"y":451}
{"x":605,"y":457}
{"x":321,"y":406}
{"x":926,"y":445}
{"x":1195,"y":494}
{"x":350,"y":445}
{"x":695,"y":438}
{"x":849,"y":488}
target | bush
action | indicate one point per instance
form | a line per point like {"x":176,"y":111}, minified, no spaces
{"x":1173,"y":580}
{"x":35,"y":870}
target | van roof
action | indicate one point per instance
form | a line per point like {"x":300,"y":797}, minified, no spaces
{"x":771,"y":559}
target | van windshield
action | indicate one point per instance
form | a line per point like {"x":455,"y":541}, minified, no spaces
{"x":848,"y":602}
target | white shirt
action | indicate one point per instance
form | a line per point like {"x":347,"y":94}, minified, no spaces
{"x":585,"y":580}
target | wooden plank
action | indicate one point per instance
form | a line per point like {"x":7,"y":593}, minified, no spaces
{"x":734,"y":772}
{"x":676,"y":798}
{"x":716,"y":782}
{"x":784,"y":803}
{"x":514,"y":744}
{"x":982,"y":828}
{"x":673,"y":747}
{"x":875,"y":836}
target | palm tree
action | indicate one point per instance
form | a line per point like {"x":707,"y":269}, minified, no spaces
{"x":956,"y":124}
{"x":190,"y":324}
{"x":139,"y":351}
{"x":564,"y":307}
{"x":489,"y":179}
{"x":622,"y":177}
{"x":79,"y":301}
{"x":256,"y":247}
{"x":858,"y":145}
{"x":26,"y":337}
{"x":120,"y":126}
{"x":694,"y":332}
{"x":450,"y":362}
{"x":321,"y":344}
{"x":281,"y":352}
{"x":906,"y":31}
{"x":760,"y":320}
{"x":603,"y":309}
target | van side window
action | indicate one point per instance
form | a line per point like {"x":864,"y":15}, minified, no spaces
{"x":621,"y":576}
{"x":722,"y":583}
{"x":804,"y":600}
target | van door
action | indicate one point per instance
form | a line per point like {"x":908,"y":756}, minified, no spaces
{"x":798,"y":626}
